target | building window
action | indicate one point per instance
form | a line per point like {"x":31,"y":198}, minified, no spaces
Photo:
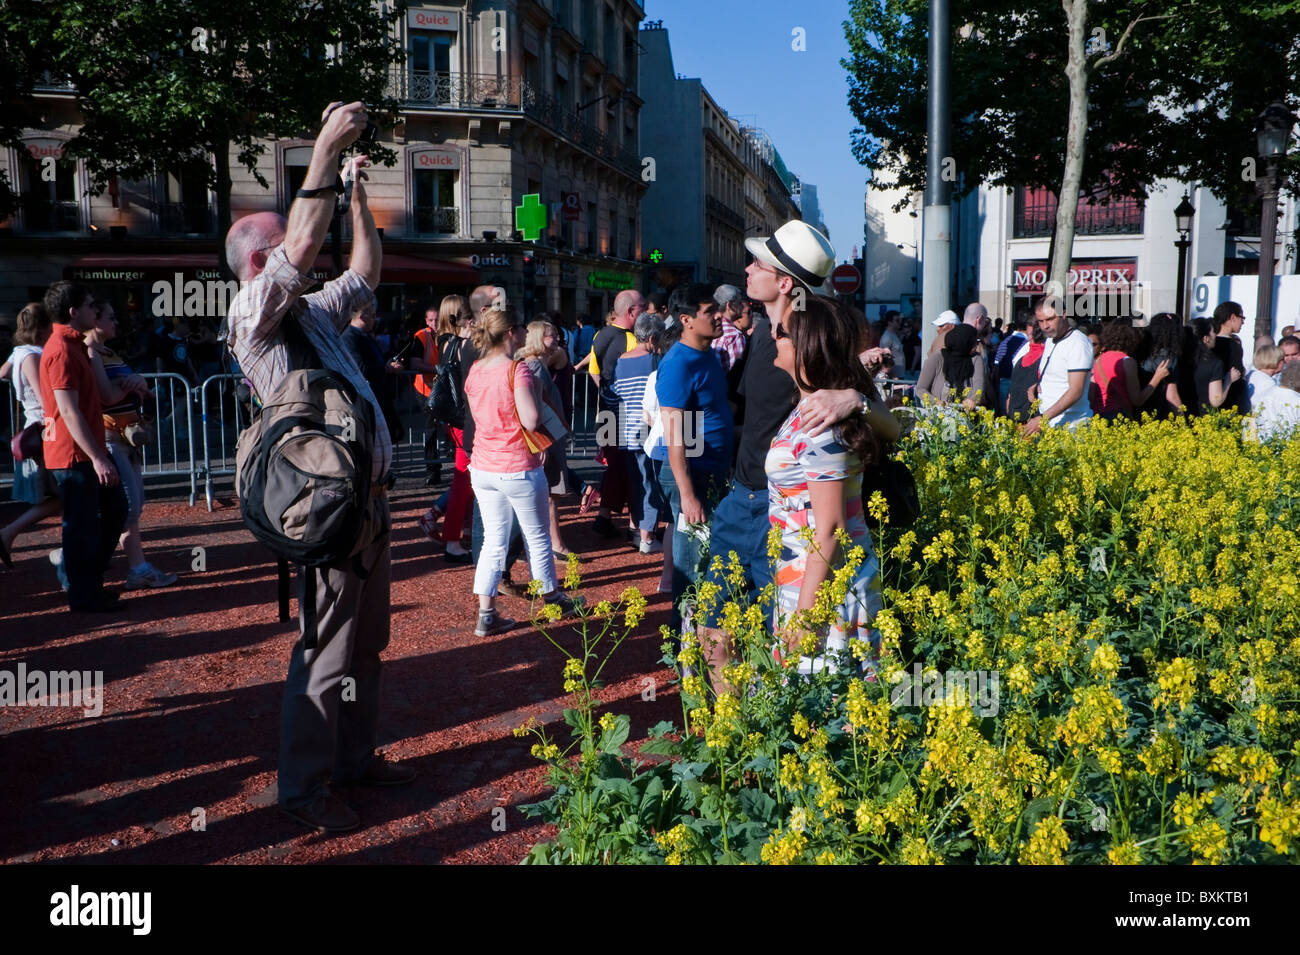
{"x":591,"y":227}
{"x":613,"y":233}
{"x":611,"y":40}
{"x":49,"y":206}
{"x":629,"y":58}
{"x":1035,"y":215}
{"x":185,"y":206}
{"x":434,"y":202}
{"x":296,"y":160}
{"x":430,"y":62}
{"x":631,"y":238}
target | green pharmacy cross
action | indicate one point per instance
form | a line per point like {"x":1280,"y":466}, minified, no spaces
{"x":530,"y":218}
{"x":656,"y":256}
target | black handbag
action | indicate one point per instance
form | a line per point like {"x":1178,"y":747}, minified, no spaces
{"x":446,"y":402}
{"x":894,"y":480}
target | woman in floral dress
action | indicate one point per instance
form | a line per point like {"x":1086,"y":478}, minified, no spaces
{"x":815,"y":486}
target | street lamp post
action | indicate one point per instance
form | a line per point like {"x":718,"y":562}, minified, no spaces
{"x":1272,"y":133}
{"x":1183,"y":214}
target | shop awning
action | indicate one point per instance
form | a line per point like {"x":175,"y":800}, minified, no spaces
{"x":427,"y":271}
{"x":201,"y":265}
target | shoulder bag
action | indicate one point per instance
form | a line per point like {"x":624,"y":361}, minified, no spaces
{"x":538,"y":440}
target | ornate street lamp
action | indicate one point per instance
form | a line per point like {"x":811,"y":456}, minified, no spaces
{"x":1272,"y":135}
{"x":1183,"y":214}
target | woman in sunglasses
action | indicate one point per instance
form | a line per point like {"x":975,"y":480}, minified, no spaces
{"x":815,"y":484}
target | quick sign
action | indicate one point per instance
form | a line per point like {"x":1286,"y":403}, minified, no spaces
{"x":481,"y":261}
{"x":433,"y":20}
{"x":45,"y":148}
{"x":435,"y":159}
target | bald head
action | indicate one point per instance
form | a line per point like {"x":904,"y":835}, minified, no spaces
{"x":628,"y":306}
{"x":485,"y":297}
{"x":975,"y":315}
{"x":250,"y":240}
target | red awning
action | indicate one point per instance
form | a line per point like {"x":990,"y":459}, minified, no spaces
{"x":138,"y":268}
{"x":427,"y":271}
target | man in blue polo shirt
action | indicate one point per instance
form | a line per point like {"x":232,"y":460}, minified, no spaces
{"x":696,"y":454}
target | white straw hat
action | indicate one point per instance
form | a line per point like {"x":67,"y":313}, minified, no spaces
{"x":798,"y":250}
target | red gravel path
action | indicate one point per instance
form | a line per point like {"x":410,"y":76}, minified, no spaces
{"x":192,"y":682}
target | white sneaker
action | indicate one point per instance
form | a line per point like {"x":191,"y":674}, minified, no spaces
{"x":56,"y":558}
{"x":651,"y":546}
{"x":148,"y":576}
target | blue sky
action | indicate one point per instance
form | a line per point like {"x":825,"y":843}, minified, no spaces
{"x":742,"y":51}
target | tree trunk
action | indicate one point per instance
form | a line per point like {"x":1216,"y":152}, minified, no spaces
{"x":1076,"y":71}
{"x":221,"y":156}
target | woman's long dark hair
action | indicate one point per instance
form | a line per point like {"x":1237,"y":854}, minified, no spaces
{"x":1200,"y":328}
{"x":958,"y":365}
{"x":825,"y":339}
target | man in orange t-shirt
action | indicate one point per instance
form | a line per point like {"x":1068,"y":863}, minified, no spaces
{"x":94,"y":504}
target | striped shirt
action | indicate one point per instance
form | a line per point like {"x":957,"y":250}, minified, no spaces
{"x":258,"y":344}
{"x":730,"y":345}
{"x":630,"y":380}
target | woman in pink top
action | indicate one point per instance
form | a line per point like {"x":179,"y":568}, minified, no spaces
{"x":1116,"y":390}
{"x":507,"y":477}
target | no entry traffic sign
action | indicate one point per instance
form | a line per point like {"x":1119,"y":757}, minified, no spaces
{"x":846,"y":279}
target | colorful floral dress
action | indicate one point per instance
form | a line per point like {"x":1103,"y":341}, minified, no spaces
{"x":795,"y":459}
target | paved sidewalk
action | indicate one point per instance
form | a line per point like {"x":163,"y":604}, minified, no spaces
{"x":192,"y":682}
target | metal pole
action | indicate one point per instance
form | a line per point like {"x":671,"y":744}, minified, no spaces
{"x":1267,"y":240}
{"x":936,"y":288}
{"x":1183,"y":244}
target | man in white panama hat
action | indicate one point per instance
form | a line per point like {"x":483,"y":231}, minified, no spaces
{"x":787,"y":267}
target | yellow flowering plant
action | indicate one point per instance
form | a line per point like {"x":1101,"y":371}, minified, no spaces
{"x":1132,"y":588}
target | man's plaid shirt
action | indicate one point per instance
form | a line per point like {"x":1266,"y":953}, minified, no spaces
{"x":730,"y":345}
{"x":259,"y":347}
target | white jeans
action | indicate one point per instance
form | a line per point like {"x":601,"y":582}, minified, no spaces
{"x":527,"y":496}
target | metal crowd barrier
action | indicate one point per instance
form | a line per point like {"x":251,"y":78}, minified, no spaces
{"x":223,"y":416}
{"x":13,"y":422}
{"x":197,"y":428}
{"x":171,"y":452}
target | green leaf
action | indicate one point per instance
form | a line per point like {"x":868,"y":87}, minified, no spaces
{"x":757,"y":805}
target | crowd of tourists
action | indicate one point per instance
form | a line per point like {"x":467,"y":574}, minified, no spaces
{"x":722,"y":414}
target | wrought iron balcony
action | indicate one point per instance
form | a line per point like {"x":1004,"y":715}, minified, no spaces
{"x":50,"y":215}
{"x":1035,"y":216}
{"x":437,"y":220}
{"x":724,"y":212}
{"x":458,"y":90}
{"x":512,"y":94}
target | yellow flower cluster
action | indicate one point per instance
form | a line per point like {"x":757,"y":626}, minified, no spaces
{"x":546,"y":751}
{"x":574,"y":675}
{"x":674,"y":842}
{"x":634,"y":605}
{"x":784,"y":848}
{"x":1047,"y":844}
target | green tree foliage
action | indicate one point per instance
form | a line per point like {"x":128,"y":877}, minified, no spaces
{"x":161,"y":83}
{"x":1179,"y":101}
